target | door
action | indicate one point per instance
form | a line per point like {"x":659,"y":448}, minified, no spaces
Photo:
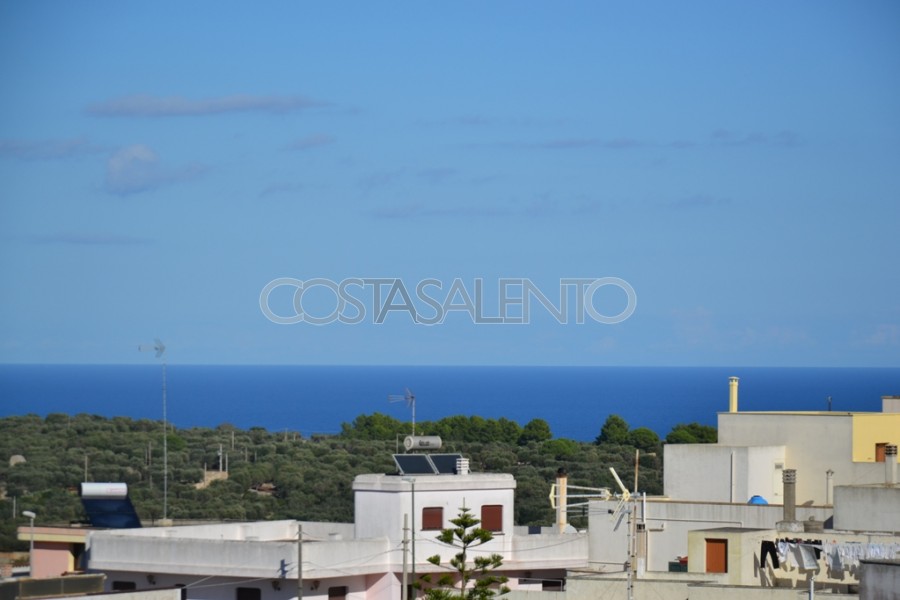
{"x":716,"y":556}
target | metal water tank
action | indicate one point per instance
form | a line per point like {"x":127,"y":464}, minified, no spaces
{"x":422,"y":442}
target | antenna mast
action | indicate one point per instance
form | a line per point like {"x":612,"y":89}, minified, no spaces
{"x":626,"y":505}
{"x":410,"y":400}
{"x":160,"y":350}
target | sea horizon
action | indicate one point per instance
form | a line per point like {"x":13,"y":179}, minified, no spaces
{"x":317,"y":399}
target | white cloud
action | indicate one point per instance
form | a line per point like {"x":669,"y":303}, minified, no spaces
{"x":145,"y":105}
{"x":47,"y":149}
{"x":885,"y":334}
{"x":136,"y":168}
{"x":311,"y":141}
{"x":276,"y":189}
{"x":89,"y":239}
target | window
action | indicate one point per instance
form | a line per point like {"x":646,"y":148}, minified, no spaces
{"x":337,"y":593}
{"x":492,"y":517}
{"x":248,"y":593}
{"x":432,"y":518}
{"x":552,"y":585}
{"x":122,"y":586}
{"x":716,"y":556}
{"x":778,"y":481}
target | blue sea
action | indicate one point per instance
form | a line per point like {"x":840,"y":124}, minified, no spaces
{"x":575,"y":401}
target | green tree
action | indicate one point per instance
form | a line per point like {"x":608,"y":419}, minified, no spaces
{"x":467,"y":534}
{"x":536,"y":430}
{"x":377,"y":426}
{"x":644,"y":439}
{"x":693,"y":433}
{"x":561,"y":449}
{"x":614,"y":431}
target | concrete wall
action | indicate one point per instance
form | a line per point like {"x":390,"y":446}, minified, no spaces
{"x":746,"y":566}
{"x":250,"y":531}
{"x":162,"y":594}
{"x":742,"y":557}
{"x":248,"y":558}
{"x":719,"y":473}
{"x":546,"y":551}
{"x":880,"y":580}
{"x":673,"y":586}
{"x":587,"y":587}
{"x":52,"y":559}
{"x":667,"y":524}
{"x":814,"y":443}
{"x":271,"y":588}
{"x":717,"y":592}
{"x":867,"y":508}
{"x":890,"y":404}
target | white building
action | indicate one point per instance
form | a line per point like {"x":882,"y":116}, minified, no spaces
{"x":363,"y":560}
{"x":827,"y":449}
{"x":827,"y":477}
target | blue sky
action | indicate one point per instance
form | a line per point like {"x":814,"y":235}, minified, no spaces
{"x":737,"y":164}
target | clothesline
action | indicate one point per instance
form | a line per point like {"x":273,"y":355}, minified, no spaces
{"x":786,"y":553}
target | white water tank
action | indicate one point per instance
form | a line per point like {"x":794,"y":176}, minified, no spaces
{"x":422,"y":442}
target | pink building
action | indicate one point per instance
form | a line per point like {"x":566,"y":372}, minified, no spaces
{"x":57,"y":550}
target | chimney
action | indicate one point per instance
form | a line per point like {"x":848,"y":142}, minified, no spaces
{"x":890,"y":464}
{"x":562,"y":479}
{"x":733,"y":394}
{"x":789,"y":478}
{"x":789,"y":522}
{"x":462,"y":466}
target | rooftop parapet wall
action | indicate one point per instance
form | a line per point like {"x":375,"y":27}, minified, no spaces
{"x":285,"y":530}
{"x":428,"y":482}
{"x":268,"y":559}
{"x":867,"y":508}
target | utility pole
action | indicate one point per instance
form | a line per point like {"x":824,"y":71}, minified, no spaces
{"x":629,"y":565}
{"x":31,"y":516}
{"x":165,"y":449}
{"x":404,"y":592}
{"x":412,"y":482}
{"x":299,"y":561}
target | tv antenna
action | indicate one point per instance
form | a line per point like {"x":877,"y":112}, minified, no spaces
{"x":410,"y":400}
{"x":624,"y":498}
{"x":160,"y":350}
{"x":625,"y":507}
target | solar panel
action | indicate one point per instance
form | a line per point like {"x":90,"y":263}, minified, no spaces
{"x":108,"y":505}
{"x":113,"y":513}
{"x":445,"y":463}
{"x":414,"y":464}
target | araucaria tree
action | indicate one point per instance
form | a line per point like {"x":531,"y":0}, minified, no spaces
{"x":465,"y":581}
